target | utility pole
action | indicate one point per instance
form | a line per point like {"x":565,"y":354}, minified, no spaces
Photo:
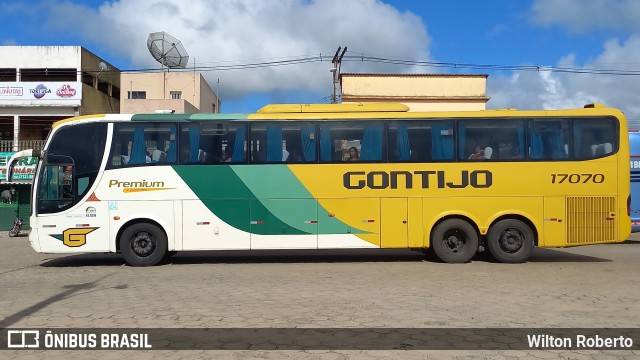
{"x":337,"y":59}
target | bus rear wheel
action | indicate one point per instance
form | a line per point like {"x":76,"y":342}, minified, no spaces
{"x":454,"y":241}
{"x":143,"y":244}
{"x":510,"y":241}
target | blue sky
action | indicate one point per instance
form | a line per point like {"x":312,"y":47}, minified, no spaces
{"x":575,"y":34}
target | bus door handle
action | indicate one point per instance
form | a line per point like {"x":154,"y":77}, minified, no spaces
{"x":612,"y":216}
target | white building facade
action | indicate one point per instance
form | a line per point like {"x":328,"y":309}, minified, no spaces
{"x":43,"y":84}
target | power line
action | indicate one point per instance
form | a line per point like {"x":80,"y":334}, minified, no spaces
{"x":298,"y":60}
{"x":493,"y":67}
{"x":410,"y":62}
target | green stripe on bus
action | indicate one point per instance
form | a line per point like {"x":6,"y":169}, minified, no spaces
{"x":271,"y":196}
{"x":227,"y":196}
{"x":279,"y":182}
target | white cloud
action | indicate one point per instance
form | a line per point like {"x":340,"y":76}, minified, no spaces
{"x":224,"y":32}
{"x":583,"y":15}
{"x":554,"y":90}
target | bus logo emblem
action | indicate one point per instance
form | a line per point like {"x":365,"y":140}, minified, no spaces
{"x":75,"y":237}
{"x":91,"y":211}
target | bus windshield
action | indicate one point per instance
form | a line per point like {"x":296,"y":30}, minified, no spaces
{"x":71,"y":164}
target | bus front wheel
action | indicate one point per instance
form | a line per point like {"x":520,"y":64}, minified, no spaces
{"x":454,"y":241}
{"x":510,"y":241}
{"x":143,"y":244}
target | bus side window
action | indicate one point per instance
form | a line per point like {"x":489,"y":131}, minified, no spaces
{"x":594,"y":138}
{"x":143,"y":144}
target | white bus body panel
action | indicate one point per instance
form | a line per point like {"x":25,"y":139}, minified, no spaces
{"x":203,"y":230}
{"x":84,"y":228}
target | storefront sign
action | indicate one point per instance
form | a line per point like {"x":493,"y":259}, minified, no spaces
{"x":41,"y":91}
{"x":23,"y":169}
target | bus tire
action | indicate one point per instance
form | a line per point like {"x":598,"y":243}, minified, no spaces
{"x":454,"y":241}
{"x":510,"y":241}
{"x":143,"y":244}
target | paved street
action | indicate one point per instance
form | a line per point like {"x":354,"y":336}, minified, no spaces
{"x":591,"y":286}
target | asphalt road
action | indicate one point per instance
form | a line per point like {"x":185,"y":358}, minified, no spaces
{"x":583,"y":287}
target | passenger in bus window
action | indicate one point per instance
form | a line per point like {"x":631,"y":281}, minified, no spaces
{"x":353,"y":154}
{"x":147,"y":155}
{"x":478,"y":154}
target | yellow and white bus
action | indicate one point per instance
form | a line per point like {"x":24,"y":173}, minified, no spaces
{"x":333,"y":176}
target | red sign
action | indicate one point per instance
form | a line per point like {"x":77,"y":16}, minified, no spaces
{"x":66,"y":91}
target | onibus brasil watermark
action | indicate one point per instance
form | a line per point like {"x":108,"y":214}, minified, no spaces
{"x":35,"y":339}
{"x":322,"y":338}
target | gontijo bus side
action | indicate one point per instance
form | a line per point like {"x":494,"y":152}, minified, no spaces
{"x":150,"y":185}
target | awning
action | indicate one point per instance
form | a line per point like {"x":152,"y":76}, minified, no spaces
{"x":25,"y":182}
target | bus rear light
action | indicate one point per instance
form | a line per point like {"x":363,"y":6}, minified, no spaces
{"x":82,"y":225}
{"x":203,"y":223}
{"x":116,"y":218}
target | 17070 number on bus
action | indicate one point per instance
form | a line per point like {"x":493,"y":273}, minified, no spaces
{"x":577,"y":178}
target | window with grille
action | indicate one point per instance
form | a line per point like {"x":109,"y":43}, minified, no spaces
{"x":136,"y":94}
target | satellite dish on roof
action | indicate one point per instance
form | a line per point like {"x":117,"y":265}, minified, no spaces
{"x":167,"y":50}
{"x":102,"y":67}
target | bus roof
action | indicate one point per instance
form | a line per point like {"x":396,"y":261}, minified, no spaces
{"x":353,"y":111}
{"x":332,"y":108}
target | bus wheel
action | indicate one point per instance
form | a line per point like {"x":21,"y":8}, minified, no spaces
{"x":143,"y":244}
{"x":510,"y":241}
{"x":454,"y":241}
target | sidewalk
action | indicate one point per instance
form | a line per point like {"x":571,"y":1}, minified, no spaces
{"x":23,"y":233}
